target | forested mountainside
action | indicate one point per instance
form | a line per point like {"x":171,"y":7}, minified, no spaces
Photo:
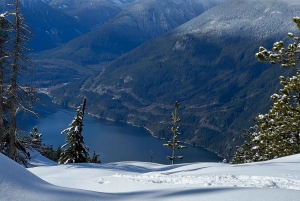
{"x":207,"y":65}
{"x":134,"y":59}
{"x":92,"y":14}
{"x":50,"y":27}
{"x":135,"y":24}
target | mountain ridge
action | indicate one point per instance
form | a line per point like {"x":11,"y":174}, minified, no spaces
{"x":135,"y":24}
{"x":207,"y":65}
{"x":50,"y":26}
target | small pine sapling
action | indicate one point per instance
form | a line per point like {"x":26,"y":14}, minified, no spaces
{"x":95,"y":158}
{"x":36,"y":136}
{"x":174,"y":143}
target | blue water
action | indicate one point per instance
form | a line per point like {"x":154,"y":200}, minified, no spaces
{"x":114,"y":141}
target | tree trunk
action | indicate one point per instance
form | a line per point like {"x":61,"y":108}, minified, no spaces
{"x":13,"y":91}
{"x":1,"y":101}
{"x":83,"y":106}
{"x":3,"y":41}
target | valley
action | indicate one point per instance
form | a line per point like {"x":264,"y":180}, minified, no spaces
{"x":133,"y":59}
{"x":110,"y":139}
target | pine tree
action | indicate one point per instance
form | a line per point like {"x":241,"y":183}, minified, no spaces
{"x":52,"y":154}
{"x":13,"y":97}
{"x":244,"y":152}
{"x":36,"y":136}
{"x":33,"y":141}
{"x":174,"y":143}
{"x":276,"y":134}
{"x":74,"y":150}
{"x":5,"y":28}
{"x":18,"y":96}
{"x":95,"y":158}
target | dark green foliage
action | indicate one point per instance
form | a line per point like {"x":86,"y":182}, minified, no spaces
{"x":174,"y":143}
{"x":53,"y":154}
{"x":95,"y":158}
{"x":75,"y":151}
{"x":285,"y":55}
{"x":276,"y":134}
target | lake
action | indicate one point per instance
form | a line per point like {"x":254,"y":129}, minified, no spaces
{"x":114,"y":141}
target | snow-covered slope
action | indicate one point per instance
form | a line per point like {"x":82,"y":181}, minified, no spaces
{"x":17,"y":183}
{"x":254,"y":19}
{"x":274,"y":180}
{"x":156,"y":17}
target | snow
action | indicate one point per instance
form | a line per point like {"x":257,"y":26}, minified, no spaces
{"x":121,"y":1}
{"x":17,"y":183}
{"x":257,"y":19}
{"x":275,"y":180}
{"x":39,"y":160}
{"x":117,"y":2}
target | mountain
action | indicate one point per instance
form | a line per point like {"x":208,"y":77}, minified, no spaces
{"x":138,"y":22}
{"x":92,"y":14}
{"x":207,"y":65}
{"x":50,"y":26}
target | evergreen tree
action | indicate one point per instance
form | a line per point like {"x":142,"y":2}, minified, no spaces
{"x":36,"y":136}
{"x":5,"y":28}
{"x":18,"y":97}
{"x":174,"y":143}
{"x":276,"y":134}
{"x":95,"y":158}
{"x":57,"y":153}
{"x":52,"y":154}
{"x":74,"y":150}
{"x":33,"y":141}
{"x":13,"y":97}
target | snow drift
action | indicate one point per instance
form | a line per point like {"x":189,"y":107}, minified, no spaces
{"x":271,"y":180}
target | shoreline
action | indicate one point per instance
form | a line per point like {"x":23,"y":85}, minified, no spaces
{"x":132,"y":124}
{"x":151,"y":132}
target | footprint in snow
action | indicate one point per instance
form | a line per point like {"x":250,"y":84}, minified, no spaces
{"x":102,"y":181}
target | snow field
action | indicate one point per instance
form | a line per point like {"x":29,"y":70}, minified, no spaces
{"x":274,"y":180}
{"x":215,"y":181}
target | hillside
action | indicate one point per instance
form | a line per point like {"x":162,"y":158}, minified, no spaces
{"x":50,"y":27}
{"x":92,"y":14}
{"x":136,"y":23}
{"x":89,"y":54}
{"x":207,"y":65}
{"x":273,"y":180}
